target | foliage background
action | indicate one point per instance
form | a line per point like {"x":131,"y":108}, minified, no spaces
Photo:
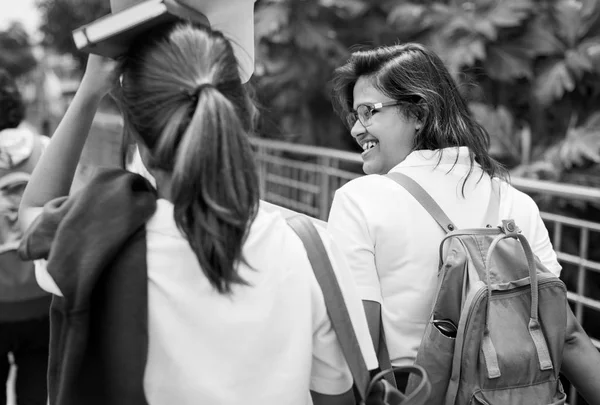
{"x":16,"y":52}
{"x":530,"y":68}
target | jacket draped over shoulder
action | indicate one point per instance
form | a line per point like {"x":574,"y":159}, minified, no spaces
{"x":95,"y":246}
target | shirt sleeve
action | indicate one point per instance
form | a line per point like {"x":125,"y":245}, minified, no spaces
{"x":540,"y":242}
{"x":44,"y":279}
{"x":347,"y":225}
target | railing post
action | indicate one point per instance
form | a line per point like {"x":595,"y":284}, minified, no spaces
{"x":324,"y":197}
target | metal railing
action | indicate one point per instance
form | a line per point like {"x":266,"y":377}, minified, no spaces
{"x":304,"y":178}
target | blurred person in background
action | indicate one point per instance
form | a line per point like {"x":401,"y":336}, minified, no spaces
{"x":24,"y":306}
{"x":47,"y":102}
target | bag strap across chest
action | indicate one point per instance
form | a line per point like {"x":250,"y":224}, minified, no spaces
{"x":334,"y":300}
{"x":342,"y":325}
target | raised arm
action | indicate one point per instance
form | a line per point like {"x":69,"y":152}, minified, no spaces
{"x":54,"y":172}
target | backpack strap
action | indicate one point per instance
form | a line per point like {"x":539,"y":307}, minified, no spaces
{"x":491,"y":217}
{"x":334,"y":300}
{"x":424,"y":199}
{"x":383,"y":356}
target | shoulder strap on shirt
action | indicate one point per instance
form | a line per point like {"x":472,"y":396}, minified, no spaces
{"x":424,"y":199}
{"x":334,"y":300}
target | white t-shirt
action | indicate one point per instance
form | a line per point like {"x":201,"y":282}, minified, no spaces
{"x":266,"y":343}
{"x":392,"y":243}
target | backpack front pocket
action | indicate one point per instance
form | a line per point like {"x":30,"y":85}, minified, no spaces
{"x":437,"y":362}
{"x":547,"y":393}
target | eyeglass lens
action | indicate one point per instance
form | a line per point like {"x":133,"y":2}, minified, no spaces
{"x":362,"y":113}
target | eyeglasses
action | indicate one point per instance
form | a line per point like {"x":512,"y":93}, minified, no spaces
{"x":365,"y":112}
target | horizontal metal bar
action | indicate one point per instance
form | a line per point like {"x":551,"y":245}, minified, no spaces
{"x":579,"y":223}
{"x":574,"y":259}
{"x":291,"y":163}
{"x":344,"y":174}
{"x":579,"y":193}
{"x":291,"y":204}
{"x":287,"y":182}
{"x":306,"y":149}
{"x":307,"y":166}
{"x":556,"y":189}
{"x":588,"y":302}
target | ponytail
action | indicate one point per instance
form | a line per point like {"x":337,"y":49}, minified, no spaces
{"x":182,"y":96}
{"x":214,"y":186}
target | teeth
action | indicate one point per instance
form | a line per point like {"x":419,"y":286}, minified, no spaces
{"x":368,"y":145}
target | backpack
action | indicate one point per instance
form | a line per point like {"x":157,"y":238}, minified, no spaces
{"x":17,"y":277}
{"x":499,"y":318}
{"x":381,"y":389}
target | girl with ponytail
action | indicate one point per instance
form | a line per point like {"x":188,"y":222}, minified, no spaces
{"x":189,"y":292}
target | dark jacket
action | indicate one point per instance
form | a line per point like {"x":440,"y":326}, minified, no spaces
{"x":96,"y":249}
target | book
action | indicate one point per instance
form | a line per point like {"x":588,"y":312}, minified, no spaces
{"x":112,"y":35}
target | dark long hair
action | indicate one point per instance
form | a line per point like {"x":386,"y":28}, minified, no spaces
{"x":182,"y":96}
{"x":417,"y":76}
{"x":12,"y":107}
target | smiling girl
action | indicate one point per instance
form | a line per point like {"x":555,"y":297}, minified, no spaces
{"x":405,"y":111}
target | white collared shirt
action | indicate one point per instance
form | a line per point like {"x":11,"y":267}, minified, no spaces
{"x":267,"y":343}
{"x":392,"y":243}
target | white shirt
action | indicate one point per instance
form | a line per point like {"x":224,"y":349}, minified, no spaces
{"x":392,"y":243}
{"x":267,"y":343}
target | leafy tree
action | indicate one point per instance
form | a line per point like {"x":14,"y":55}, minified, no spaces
{"x":297,"y":49}
{"x":531,"y":68}
{"x":16,"y":53}
{"x":61,"y":17}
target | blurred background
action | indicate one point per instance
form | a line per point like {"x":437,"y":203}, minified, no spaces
{"x":530,"y":69}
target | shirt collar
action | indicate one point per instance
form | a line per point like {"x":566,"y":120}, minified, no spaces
{"x":446,"y":156}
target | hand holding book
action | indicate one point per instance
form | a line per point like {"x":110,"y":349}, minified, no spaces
{"x":99,"y":77}
{"x":112,"y":35}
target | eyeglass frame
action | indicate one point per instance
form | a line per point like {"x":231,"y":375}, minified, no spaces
{"x":373,"y":107}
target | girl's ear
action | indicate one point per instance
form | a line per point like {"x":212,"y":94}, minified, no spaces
{"x":418,"y":125}
{"x":417,"y":120}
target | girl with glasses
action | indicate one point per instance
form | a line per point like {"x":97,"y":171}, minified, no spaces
{"x":405,"y":111}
